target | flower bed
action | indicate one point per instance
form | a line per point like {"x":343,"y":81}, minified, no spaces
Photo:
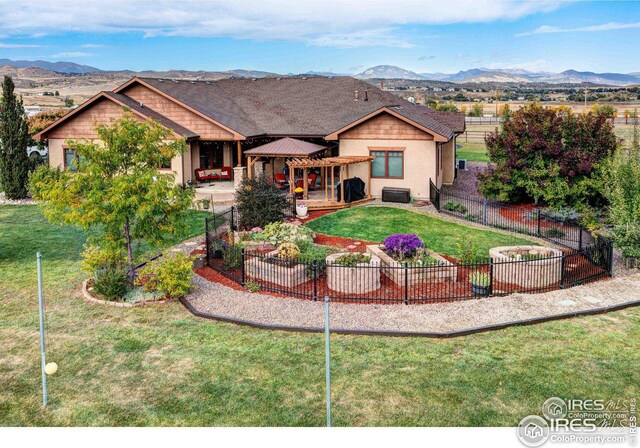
{"x":528,"y":267}
{"x":442,"y":270}
{"x":353,"y":273}
{"x":272,"y":269}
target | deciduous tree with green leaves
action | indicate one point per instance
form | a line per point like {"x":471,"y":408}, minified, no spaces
{"x":14,"y":139}
{"x":119,"y":188}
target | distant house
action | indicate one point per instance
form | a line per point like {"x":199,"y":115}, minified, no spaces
{"x":407,"y":144}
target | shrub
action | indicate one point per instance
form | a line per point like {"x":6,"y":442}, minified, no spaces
{"x":554,"y":232}
{"x":170,"y":275}
{"x":232,"y":256}
{"x":112,"y":284}
{"x":480,"y":278}
{"x":454,"y":206}
{"x":95,"y":258}
{"x":288,"y":251}
{"x":310,"y":253}
{"x":403,"y":245}
{"x":468,"y":251}
{"x":283,"y":232}
{"x":351,"y":260}
{"x":259,"y":202}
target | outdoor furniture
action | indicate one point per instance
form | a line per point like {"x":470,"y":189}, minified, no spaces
{"x":311,"y":182}
{"x":281,"y":180}
{"x":211,"y":174}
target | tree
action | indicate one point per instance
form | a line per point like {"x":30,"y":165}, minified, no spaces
{"x":505,"y":112}
{"x":68,"y":102}
{"x":547,"y":155}
{"x":447,"y":107}
{"x":606,"y":110}
{"x":14,"y":139}
{"x":476,"y":110}
{"x":118,"y":188}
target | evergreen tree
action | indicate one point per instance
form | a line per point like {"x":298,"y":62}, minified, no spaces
{"x":14,"y":139}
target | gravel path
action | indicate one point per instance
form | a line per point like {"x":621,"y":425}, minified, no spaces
{"x":214,"y":298}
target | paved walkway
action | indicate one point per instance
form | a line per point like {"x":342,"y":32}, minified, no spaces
{"x":266,"y":310}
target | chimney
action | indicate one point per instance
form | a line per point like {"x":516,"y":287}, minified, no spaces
{"x":356,"y":95}
{"x":366,"y":95}
{"x":381,"y":85}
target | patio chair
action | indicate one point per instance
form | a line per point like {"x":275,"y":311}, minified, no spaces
{"x":281,"y":180}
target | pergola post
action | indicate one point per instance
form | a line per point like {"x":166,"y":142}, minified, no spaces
{"x":305,"y":183}
{"x":333,"y":184}
{"x":326,"y":183}
{"x":249,"y":168}
{"x":341,"y":184}
{"x":292,"y":185}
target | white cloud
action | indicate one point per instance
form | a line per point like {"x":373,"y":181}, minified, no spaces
{"x":92,"y":46}
{"x":342,"y":23}
{"x":610,"y":26}
{"x":5,"y":45}
{"x":71,"y":54}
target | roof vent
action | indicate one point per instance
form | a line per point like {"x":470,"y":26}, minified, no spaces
{"x":140,"y":104}
{"x":356,"y":95}
{"x":208,"y":82}
{"x":330,"y":77}
{"x":279,"y":78}
{"x":304,"y":77}
{"x":253,"y":79}
{"x":160,"y":79}
{"x":366,"y":95}
{"x":193,"y":82}
{"x":175,"y":80}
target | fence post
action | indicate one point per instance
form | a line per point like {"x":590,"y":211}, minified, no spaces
{"x":491,"y":276}
{"x":539,"y":232}
{"x":315,"y":280}
{"x":406,"y":285}
{"x":327,"y":358}
{"x":580,"y":240}
{"x":242,"y":264}
{"x":206,"y":237}
{"x":484,"y":212}
{"x":564,"y":256}
{"x":232,"y":225}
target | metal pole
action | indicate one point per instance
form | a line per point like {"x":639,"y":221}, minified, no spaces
{"x":327,"y":350}
{"x":43,"y":360}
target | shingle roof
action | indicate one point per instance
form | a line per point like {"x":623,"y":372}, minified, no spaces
{"x":297,"y":106}
{"x":152,"y":114}
{"x":290,"y":147}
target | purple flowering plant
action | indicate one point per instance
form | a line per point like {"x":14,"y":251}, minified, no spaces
{"x":403,"y":245}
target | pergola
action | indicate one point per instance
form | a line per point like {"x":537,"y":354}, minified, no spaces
{"x":283,"y":148}
{"x":327,"y":166}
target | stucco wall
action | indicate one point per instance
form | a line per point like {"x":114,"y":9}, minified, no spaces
{"x":419,"y":164}
{"x":56,"y":158}
{"x":449,"y":161}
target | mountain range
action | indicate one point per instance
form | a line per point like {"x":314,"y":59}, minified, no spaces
{"x":480,"y":75}
{"x":503,"y":75}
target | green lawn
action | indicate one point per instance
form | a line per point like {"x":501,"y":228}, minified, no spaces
{"x":162,"y":366}
{"x":474,"y":152}
{"x":377,"y":223}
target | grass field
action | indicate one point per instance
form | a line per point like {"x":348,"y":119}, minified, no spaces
{"x":474,"y":152}
{"x":377,"y":223}
{"x":162,"y":366}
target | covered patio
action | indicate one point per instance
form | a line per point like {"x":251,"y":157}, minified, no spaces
{"x":326,"y":196}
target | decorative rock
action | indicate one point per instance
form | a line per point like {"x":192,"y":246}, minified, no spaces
{"x":566,"y":302}
{"x":352,"y":247}
{"x":357,"y":243}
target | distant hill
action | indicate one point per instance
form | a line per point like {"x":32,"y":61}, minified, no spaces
{"x":60,"y":67}
{"x":388,"y":72}
{"x":29,"y":72}
{"x":251,"y":73}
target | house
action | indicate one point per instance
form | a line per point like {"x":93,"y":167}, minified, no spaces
{"x":407,"y":144}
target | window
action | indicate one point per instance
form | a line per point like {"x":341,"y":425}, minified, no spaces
{"x":388,"y":163}
{"x":71,"y":160}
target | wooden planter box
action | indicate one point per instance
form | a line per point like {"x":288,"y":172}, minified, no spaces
{"x":361,"y":279}
{"x":283,"y":274}
{"x":396,"y":272}
{"x":527,"y":273}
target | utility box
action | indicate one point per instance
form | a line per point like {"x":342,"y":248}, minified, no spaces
{"x":393,"y":194}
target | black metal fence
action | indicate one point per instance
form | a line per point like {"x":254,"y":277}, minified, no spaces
{"x":394,"y":282}
{"x":533,"y":222}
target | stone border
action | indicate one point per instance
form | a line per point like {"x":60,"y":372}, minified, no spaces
{"x":91,"y":299}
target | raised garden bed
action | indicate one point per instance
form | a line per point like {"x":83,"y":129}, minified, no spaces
{"x":527,"y":266}
{"x":361,"y":278}
{"x":274,"y":270}
{"x":445,"y":270}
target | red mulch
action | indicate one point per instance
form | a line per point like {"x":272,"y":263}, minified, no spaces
{"x":342,"y":243}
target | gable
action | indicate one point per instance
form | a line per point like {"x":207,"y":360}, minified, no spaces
{"x":175,"y":112}
{"x":83,"y":124}
{"x":385,"y":127}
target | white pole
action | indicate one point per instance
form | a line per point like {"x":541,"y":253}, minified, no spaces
{"x":43,"y":360}
{"x":327,"y":349}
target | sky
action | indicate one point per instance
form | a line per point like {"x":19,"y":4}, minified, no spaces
{"x":296,"y":36}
